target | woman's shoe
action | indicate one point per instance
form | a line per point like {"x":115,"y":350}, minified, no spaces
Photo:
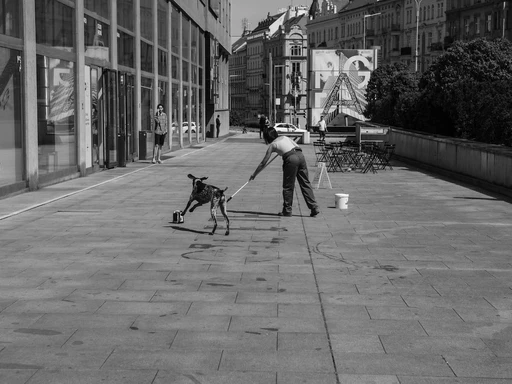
{"x":286,"y":214}
{"x":153,"y":161}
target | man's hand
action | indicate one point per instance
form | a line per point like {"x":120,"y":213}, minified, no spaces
{"x":252,"y":178}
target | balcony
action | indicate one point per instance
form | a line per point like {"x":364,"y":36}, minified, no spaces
{"x":405,"y":51}
{"x":396,"y":29}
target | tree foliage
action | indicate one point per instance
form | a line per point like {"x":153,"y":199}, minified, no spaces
{"x":388,"y":86}
{"x":465,"y":93}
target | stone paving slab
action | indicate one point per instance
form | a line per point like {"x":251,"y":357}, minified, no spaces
{"x":411,"y":284}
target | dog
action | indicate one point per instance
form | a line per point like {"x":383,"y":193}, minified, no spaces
{"x":204,"y":193}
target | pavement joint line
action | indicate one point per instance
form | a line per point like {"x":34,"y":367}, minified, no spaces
{"x":92,"y":186}
{"x":322,"y":309}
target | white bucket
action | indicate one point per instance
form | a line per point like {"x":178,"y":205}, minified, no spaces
{"x":341,"y":200}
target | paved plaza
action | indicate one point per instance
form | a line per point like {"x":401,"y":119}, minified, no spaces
{"x":411,"y":284}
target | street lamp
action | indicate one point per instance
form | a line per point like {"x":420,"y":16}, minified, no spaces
{"x":364,"y":27}
{"x":418,"y":2}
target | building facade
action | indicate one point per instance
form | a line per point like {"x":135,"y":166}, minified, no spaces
{"x":80,"y":81}
{"x":286,"y":66}
{"x":408,"y":31}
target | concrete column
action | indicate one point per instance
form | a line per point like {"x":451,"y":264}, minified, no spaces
{"x":29,"y":100}
{"x":80,"y":88}
{"x":169,"y":105}
{"x":180,"y":80}
{"x":113,"y":34}
{"x":138,"y":93}
{"x":154,"y":15}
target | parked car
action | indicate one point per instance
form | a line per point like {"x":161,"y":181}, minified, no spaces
{"x":193,"y":127}
{"x":184,"y":127}
{"x":283,"y":128}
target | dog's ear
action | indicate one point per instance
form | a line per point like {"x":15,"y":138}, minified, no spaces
{"x":203,"y":178}
{"x":191,"y":176}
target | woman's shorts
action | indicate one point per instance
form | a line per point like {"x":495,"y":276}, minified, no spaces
{"x":160,"y":139}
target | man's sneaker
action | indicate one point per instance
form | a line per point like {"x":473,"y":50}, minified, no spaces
{"x":314,"y":212}
{"x":286,"y":214}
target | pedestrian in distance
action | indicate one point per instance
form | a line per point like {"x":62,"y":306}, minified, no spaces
{"x":322,"y":128}
{"x":217,"y":124}
{"x":294,"y":168}
{"x":262,"y":124}
{"x":160,"y":122}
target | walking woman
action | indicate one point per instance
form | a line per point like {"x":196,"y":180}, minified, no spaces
{"x":160,"y":133}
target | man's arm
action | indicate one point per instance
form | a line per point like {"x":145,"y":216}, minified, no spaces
{"x":262,"y":164}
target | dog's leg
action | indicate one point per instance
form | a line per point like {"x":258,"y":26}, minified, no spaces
{"x":223,"y":209}
{"x":195,"y":206}
{"x":213,"y":211}
{"x":186,"y":208}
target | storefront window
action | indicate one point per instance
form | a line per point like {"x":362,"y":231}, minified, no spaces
{"x":185,"y":38}
{"x":185,"y":70}
{"x":194,"y":43}
{"x":125,"y":14}
{"x":146,"y":57}
{"x":146,"y":109}
{"x":162,"y":63}
{"x":194,"y":74}
{"x":125,"y":49}
{"x":175,"y":105}
{"x":175,"y":67}
{"x":56,"y":114}
{"x":96,"y":38}
{"x":55,"y":24}
{"x":11,"y":142}
{"x":146,"y":19}
{"x":100,"y":7}
{"x":175,"y":28}
{"x":163,"y":36}
{"x":10,"y":18}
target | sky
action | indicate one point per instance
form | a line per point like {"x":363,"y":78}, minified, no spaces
{"x":255,"y":11}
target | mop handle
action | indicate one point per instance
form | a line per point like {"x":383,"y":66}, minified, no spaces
{"x":239,"y":189}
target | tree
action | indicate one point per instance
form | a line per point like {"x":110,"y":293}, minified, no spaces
{"x":445,"y":85}
{"x":387,"y":86}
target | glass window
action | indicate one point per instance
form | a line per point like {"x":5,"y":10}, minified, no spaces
{"x":185,"y":70}
{"x":194,"y":74}
{"x":55,"y":24}
{"x":185,"y":38}
{"x":146,"y":102}
{"x":175,"y":67}
{"x":98,"y":6}
{"x":162,"y":24}
{"x":125,"y":14}
{"x":194,"y":43}
{"x":175,"y":106}
{"x":11,"y":131}
{"x":125,"y":49}
{"x":146,"y":19}
{"x":96,"y":38}
{"x":162,"y":63}
{"x":56,"y":114}
{"x":175,"y":28}
{"x":201,"y":45}
{"x":146,"y":57}
{"x":10,"y":18}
